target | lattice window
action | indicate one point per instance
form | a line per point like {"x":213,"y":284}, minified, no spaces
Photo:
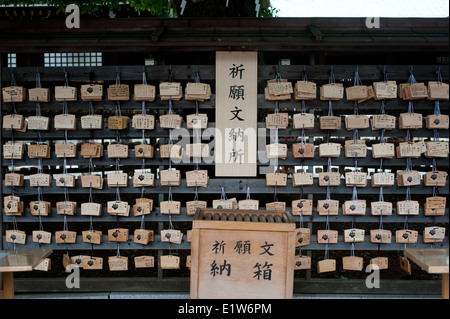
{"x":73,"y":59}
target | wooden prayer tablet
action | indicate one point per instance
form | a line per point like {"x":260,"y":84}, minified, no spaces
{"x":172,"y":151}
{"x":91,"y":92}
{"x":303,"y":121}
{"x":144,"y":150}
{"x":118,"y":208}
{"x":13,"y":94}
{"x":119,"y":92}
{"x":326,"y":265}
{"x":352,"y":263}
{"x":249,"y":204}
{"x":39,"y":123}
{"x":410,"y":207}
{"x":15,"y":236}
{"x":277,"y":120}
{"x":66,"y":208}
{"x":143,"y":206}
{"x":302,"y":262}
{"x":65,"y":122}
{"x":332,"y":91}
{"x":380,"y":236}
{"x":383,"y":179}
{"x":358,"y":179}
{"x":354,"y":207}
{"x":225,"y":203}
{"x":172,"y":121}
{"x":385,"y":90}
{"x":438,"y":91}
{"x":305,"y":90}
{"x":302,"y":207}
{"x":302,"y":237}
{"x":169,"y":262}
{"x":118,"y":122}
{"x":170,"y":207}
{"x":327,"y":236}
{"x":13,"y":122}
{"x":90,"y":262}
{"x":354,"y":122}
{"x":44,"y":265}
{"x":39,"y":151}
{"x":278,"y":206}
{"x":370,"y":94}
{"x":144,"y":262}
{"x":192,"y":206}
{"x":172,"y":236}
{"x":330,"y":150}
{"x":170,"y":177}
{"x":383,"y":150}
{"x":197,"y":178}
{"x":405,"y":265}
{"x":143,"y":122}
{"x":144,"y":92}
{"x":118,"y":234}
{"x":116,"y":179}
{"x":408,"y":178}
{"x":91,"y":209}
{"x":302,"y":179}
{"x":355,"y":150}
{"x":436,"y":122}
{"x":14,"y":179}
{"x":94,"y":181}
{"x":142,"y":179}
{"x":406,"y":236}
{"x":330,"y":122}
{"x":92,"y":122}
{"x":64,"y":180}
{"x":276,"y":179}
{"x":40,"y":180}
{"x":328,"y":207}
{"x":383,"y":121}
{"x":93,"y":149}
{"x":39,"y":95}
{"x":279,"y":88}
{"x":143,"y":236}
{"x":406,"y":149}
{"x":65,"y":150}
{"x":354,"y":235}
{"x":300,"y":150}
{"x":433,"y":234}
{"x":13,"y":206}
{"x":197,"y":150}
{"x":197,"y":121}
{"x":118,"y":263}
{"x":13,"y":150}
{"x":415,"y":91}
{"x":66,"y":237}
{"x":92,"y":236}
{"x":411,"y":121}
{"x":197,"y":92}
{"x":65,"y":93}
{"x":437,"y":149}
{"x":170,"y":91}
{"x":117,"y":151}
{"x":435,"y":206}
{"x":356,"y":92}
{"x":276,"y":150}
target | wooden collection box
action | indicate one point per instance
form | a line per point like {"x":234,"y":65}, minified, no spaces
{"x":219,"y":271}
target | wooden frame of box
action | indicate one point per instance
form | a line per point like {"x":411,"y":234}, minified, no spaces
{"x":261,"y":274}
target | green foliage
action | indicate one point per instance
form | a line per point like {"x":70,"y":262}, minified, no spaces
{"x":269,"y":12}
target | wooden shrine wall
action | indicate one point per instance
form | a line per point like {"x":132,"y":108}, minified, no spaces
{"x":233,"y":187}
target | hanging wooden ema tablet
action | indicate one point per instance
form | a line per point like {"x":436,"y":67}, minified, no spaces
{"x":118,"y":208}
{"x":405,"y":265}
{"x":406,"y":236}
{"x":326,"y":265}
{"x":91,"y":92}
{"x":354,"y":207}
{"x":143,"y":122}
{"x":192,"y":206}
{"x":354,"y":235}
{"x":92,"y":181}
{"x":437,"y":149}
{"x":92,"y":236}
{"x":382,"y":179}
{"x":169,"y":262}
{"x":249,"y":204}
{"x":330,"y":122}
{"x":172,"y":151}
{"x":171,"y":236}
{"x":13,"y":150}
{"x":117,"y":150}
{"x":437,"y":122}
{"x":433,"y":234}
{"x":277,"y":206}
{"x":15,"y":236}
{"x":38,"y":123}
{"x":144,"y":150}
{"x":380,"y":236}
{"x":143,"y":206}
{"x":66,"y":237}
{"x":92,"y":122}
{"x":144,"y":262}
{"x":407,"y":149}
{"x":236,"y":111}
{"x":383,"y":150}
{"x":38,"y":151}
{"x":435,"y":206}
{"x":411,"y":121}
{"x":358,"y":179}
{"x":172,"y":121}
{"x":302,"y":237}
{"x":116,"y":179}
{"x":13,"y":122}
{"x":42,"y":237}
{"x":65,"y":93}
{"x":381,"y":208}
{"x":327,"y":236}
{"x":277,"y":120}
{"x":408,"y":178}
{"x":40,"y":180}
{"x":385,"y":90}
{"x":408,"y":207}
{"x":66,"y":208}
{"x":305,"y":90}
{"x":91,"y":150}
{"x":197,"y":121}
{"x":302,"y":262}
{"x":144,"y":92}
{"x":302,"y":179}
{"x":358,"y":149}
{"x":170,"y":207}
{"x":118,"y":122}
{"x":356,"y":92}
{"x":300,"y":150}
{"x":197,"y":92}
{"x":118,"y":234}
{"x":332,"y":91}
{"x":352,"y":263}
{"x":330,"y":150}
{"x":14,"y":179}
{"x":170,"y":177}
{"x":142,"y":179}
{"x":276,"y":150}
{"x":438,"y":90}
{"x":353,"y":122}
{"x":276,"y":179}
{"x":198,"y":150}
{"x":65,"y":180}
{"x":278,"y":91}
{"x":303,"y":121}
{"x":302,"y":207}
{"x":91,"y":209}
{"x":414,"y":91}
{"x":39,"y":95}
{"x":225,"y":203}
{"x":382,"y":121}
{"x":118,"y":92}
{"x":197,"y":178}
{"x":12,"y":205}
{"x":328,"y":207}
{"x":380,"y":262}
{"x":65,"y":122}
{"x":143,"y":236}
{"x":44,"y":265}
{"x":90,"y":262}
{"x":64,"y":149}
{"x":117,"y":263}
{"x":13,"y":94}
{"x":170,"y":90}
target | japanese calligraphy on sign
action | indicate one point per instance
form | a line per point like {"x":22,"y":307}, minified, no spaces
{"x":236,"y":109}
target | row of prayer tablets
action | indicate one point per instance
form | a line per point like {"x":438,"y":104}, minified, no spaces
{"x":306,"y":90}
{"x":69,"y":122}
{"x":115,"y":92}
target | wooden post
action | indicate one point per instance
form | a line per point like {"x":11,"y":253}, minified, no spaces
{"x":8,"y":286}
{"x":444,"y":286}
